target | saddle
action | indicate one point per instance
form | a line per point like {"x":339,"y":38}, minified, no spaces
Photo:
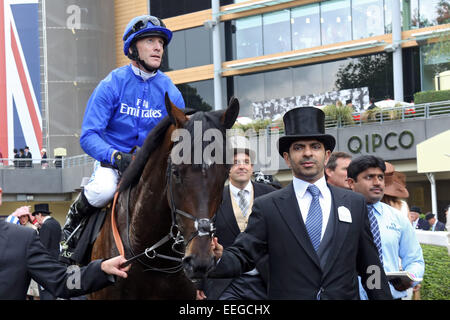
{"x":89,"y":231}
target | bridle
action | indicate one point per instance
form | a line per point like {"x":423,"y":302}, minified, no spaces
{"x":203,"y":227}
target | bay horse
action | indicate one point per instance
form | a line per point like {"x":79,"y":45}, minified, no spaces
{"x":164,"y":211}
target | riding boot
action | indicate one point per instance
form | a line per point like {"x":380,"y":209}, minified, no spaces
{"x":79,"y":209}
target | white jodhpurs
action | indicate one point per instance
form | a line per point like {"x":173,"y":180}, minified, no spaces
{"x":102,"y":185}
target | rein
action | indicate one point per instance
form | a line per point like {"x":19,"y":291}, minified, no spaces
{"x":203,"y":227}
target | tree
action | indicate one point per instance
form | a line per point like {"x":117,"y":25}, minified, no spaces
{"x":374,"y":71}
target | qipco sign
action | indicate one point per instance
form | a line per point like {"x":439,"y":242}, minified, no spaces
{"x":392,"y":141}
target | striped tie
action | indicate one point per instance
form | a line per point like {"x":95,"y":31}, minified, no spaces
{"x":314,"y":218}
{"x":243,"y":203}
{"x":375,"y":231}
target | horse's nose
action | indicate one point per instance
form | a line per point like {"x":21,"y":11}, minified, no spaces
{"x":195,"y":268}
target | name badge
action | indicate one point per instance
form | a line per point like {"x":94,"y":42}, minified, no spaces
{"x":344,"y":214}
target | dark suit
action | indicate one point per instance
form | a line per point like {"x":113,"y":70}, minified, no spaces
{"x":276,"y":228}
{"x":28,"y":163}
{"x":50,"y":235}
{"x":439,"y":226}
{"x":227,"y":230}
{"x":22,"y":257}
{"x":422,"y":224}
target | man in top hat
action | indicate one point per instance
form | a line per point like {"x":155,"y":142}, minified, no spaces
{"x":416,"y":221}
{"x":50,"y":235}
{"x":27,"y":155}
{"x":232,"y":218}
{"x":317,"y":236}
{"x":435,"y":225}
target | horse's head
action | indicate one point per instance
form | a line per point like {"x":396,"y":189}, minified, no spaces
{"x":196,"y":174}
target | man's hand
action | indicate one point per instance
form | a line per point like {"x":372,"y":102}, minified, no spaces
{"x":200,"y":295}
{"x":122,"y":160}
{"x":216,"y":248}
{"x":112,"y":266}
{"x":401,"y":285}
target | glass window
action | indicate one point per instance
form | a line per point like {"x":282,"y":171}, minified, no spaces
{"x":176,"y":51}
{"x":435,"y":65}
{"x":433,"y":12}
{"x":277,"y":32}
{"x":199,"y":95}
{"x":278,"y":84}
{"x":248,"y":88}
{"x":249,"y":37}
{"x":336,"y":21}
{"x":307,"y":80}
{"x":198,"y":47}
{"x":305,"y":24}
{"x":367,"y":16}
{"x":410,"y":14}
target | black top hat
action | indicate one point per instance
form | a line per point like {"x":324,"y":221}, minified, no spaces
{"x":415,"y":209}
{"x":41,"y":208}
{"x":304,"y":123}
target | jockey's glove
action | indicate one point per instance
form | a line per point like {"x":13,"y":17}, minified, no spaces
{"x":122,"y":160}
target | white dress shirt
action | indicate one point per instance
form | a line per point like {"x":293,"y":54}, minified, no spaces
{"x":234,"y":191}
{"x":304,"y":199}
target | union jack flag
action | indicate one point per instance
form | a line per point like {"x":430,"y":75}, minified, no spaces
{"x":20,"y":111}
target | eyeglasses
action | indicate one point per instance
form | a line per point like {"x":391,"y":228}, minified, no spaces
{"x":142,"y":23}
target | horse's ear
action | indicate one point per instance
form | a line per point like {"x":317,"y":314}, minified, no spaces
{"x":231,"y":114}
{"x":176,"y":115}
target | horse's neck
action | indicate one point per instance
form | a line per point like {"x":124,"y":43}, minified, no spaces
{"x":150,"y":211}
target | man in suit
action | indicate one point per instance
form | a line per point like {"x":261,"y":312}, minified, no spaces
{"x":22,"y":257}
{"x":336,"y":169}
{"x":392,"y":232}
{"x":232,"y":219}
{"x":317,"y":236}
{"x":435,"y":225}
{"x":50,"y":235}
{"x":416,"y":221}
{"x":27,"y":155}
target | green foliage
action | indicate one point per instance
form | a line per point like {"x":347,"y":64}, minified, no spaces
{"x":256,"y":125}
{"x":431,"y":96}
{"x":436,"y":280}
{"x":340,"y":113}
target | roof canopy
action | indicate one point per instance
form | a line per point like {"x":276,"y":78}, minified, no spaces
{"x":433,"y":154}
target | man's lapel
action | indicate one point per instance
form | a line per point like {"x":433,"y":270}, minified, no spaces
{"x":341,"y":228}
{"x":288,"y":206}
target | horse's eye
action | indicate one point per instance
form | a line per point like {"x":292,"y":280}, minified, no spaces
{"x":176,"y":174}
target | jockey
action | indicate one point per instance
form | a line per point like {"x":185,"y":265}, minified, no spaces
{"x":121,"y":111}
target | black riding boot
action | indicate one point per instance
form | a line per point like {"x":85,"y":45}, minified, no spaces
{"x":79,"y":209}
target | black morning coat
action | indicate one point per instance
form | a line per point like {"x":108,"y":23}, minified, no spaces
{"x":23,"y":256}
{"x":276,"y":228}
{"x":227,"y":230}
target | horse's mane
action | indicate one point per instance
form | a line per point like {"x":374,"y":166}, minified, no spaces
{"x":155,"y":138}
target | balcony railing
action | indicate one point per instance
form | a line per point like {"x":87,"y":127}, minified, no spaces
{"x":404,"y":113}
{"x":48,"y":163}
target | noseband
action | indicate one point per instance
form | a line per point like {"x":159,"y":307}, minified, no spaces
{"x":203,"y":227}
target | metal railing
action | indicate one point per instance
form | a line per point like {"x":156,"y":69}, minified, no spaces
{"x":404,"y":113}
{"x":47,"y":163}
